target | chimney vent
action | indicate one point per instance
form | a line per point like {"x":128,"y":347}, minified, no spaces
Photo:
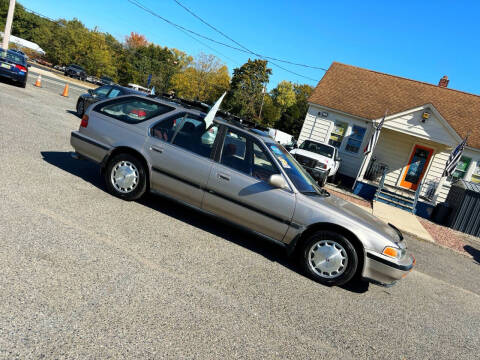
{"x":443,"y":81}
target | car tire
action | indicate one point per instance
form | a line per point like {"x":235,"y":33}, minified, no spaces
{"x":329,"y":258}
{"x":23,"y":84}
{"x":80,"y":107}
{"x":125,"y":177}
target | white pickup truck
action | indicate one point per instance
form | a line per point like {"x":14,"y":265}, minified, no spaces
{"x":320,"y":160}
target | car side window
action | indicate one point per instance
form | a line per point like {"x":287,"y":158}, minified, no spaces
{"x":133,"y":109}
{"x":234,"y":152}
{"x":262,"y":168}
{"x":114,"y":93}
{"x":192,"y":135}
{"x":102,"y":90}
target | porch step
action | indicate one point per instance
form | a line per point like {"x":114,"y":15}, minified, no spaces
{"x":409,"y":194}
{"x":394,"y":203}
{"x":388,"y":194}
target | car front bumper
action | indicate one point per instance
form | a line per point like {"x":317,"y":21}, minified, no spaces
{"x":379,"y":269}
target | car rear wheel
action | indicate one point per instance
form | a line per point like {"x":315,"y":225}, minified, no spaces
{"x":329,"y":258}
{"x":80,"y":108}
{"x":125,"y":177}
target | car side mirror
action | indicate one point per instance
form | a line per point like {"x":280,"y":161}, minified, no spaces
{"x":277,"y":180}
{"x":90,"y":91}
{"x":337,"y":158}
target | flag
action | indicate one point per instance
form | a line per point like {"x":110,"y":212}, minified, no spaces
{"x":454,"y":158}
{"x":373,"y":140}
{"x":213,"y":111}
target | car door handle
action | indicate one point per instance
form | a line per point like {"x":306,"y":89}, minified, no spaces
{"x":223,"y":177}
{"x":157,"y":149}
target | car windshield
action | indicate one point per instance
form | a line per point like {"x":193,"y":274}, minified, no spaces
{"x":295,"y":172}
{"x":12,"y":56}
{"x":318,"y":148}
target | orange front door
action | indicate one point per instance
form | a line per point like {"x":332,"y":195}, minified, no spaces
{"x":416,"y":168}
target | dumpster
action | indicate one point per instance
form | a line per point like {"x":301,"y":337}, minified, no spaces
{"x":464,"y":202}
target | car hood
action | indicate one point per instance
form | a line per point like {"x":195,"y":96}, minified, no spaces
{"x":357,"y":215}
{"x":312,"y":155}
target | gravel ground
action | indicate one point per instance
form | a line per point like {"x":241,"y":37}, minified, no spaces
{"x":84,"y":275}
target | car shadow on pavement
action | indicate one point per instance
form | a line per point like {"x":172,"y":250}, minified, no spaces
{"x":90,"y":172}
{"x":474,"y":252}
{"x":73,"y":112}
{"x":85,"y":170}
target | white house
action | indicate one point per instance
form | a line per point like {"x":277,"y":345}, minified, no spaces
{"x":424,"y":123}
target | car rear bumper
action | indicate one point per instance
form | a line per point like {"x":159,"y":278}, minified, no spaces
{"x":381,"y":270}
{"x":88,"y":148}
{"x":13,"y":75}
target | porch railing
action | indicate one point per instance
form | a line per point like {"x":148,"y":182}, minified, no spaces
{"x":375,"y":171}
{"x":381,"y":183}
{"x":429,"y":187}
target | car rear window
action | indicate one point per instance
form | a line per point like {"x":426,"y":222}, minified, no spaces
{"x":12,"y":56}
{"x":132,"y":110}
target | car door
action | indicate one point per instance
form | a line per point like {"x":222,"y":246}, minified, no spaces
{"x":238,"y":187}
{"x":181,"y":157}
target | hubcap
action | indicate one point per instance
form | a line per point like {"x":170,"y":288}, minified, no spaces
{"x":124,"y":176}
{"x":327,"y":259}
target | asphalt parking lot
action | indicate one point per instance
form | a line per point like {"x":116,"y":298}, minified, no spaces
{"x":85,"y":275}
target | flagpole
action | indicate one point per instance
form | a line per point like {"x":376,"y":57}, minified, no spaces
{"x":450,"y":166}
{"x":369,"y":155}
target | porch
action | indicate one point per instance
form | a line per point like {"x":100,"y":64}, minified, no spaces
{"x":405,"y":171}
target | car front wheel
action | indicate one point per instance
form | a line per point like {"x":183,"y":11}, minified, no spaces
{"x":125,"y":177}
{"x":329,"y":258}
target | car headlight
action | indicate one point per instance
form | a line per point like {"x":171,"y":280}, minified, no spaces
{"x":394,"y":252}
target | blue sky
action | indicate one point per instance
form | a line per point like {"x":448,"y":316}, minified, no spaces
{"x":422,"y":40}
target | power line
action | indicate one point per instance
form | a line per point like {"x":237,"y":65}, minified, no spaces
{"x":243,"y":47}
{"x":139,"y":5}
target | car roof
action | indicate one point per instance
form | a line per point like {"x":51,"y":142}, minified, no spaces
{"x":180,"y":107}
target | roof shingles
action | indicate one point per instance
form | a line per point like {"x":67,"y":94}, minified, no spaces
{"x":368,"y":94}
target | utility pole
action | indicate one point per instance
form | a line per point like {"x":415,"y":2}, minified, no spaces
{"x":8,"y":25}
{"x":264,"y":90}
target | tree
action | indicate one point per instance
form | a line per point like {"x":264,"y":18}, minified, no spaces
{"x":135,"y":41}
{"x":205,"y":79}
{"x":292,"y":118}
{"x":284,"y":95}
{"x":245,"y":95}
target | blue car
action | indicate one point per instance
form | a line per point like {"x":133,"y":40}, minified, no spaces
{"x":13,"y":65}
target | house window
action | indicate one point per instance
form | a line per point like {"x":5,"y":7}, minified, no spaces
{"x":337,"y":134}
{"x":355,"y":139}
{"x":476,"y":173}
{"x":461,"y":169}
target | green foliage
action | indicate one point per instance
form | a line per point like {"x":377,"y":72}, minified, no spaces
{"x":245,"y":95}
{"x":292,"y":117}
{"x":205,"y":79}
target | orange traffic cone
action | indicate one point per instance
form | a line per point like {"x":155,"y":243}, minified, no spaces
{"x":38,"y":83}
{"x":65,"y":91}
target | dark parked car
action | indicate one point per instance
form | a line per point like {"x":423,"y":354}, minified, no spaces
{"x":13,"y":65}
{"x":105,"y":80}
{"x":102,"y":93}
{"x":76,"y":72}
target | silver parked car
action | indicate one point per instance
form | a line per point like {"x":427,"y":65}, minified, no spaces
{"x":238,"y":173}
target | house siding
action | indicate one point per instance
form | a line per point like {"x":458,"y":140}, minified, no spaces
{"x":395,"y":149}
{"x":432,"y":129}
{"x":317,"y":127}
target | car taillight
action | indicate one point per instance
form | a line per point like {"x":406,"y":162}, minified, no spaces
{"x":21,"y":68}
{"x":84,"y":122}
